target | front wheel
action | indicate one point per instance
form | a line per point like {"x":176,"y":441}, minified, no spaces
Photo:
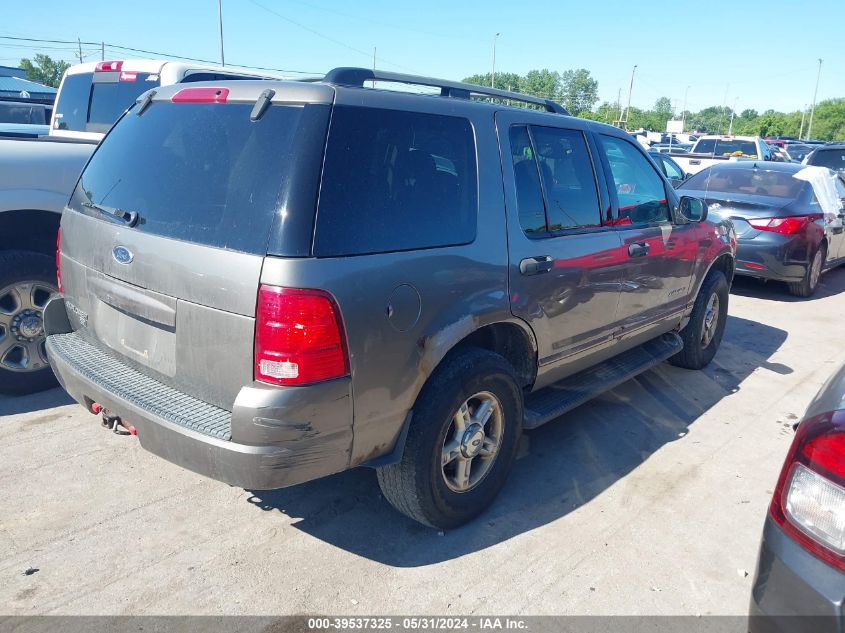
{"x":463,"y":437}
{"x":703,"y":333}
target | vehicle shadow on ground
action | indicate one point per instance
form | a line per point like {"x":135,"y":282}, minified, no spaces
{"x":831,"y":283}
{"x":568,"y":462}
{"x":12,"y":405}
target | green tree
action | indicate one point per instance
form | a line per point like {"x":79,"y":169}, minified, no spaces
{"x":44,"y":70}
{"x":543,"y":83}
{"x":578,"y":90}
{"x":829,"y":120}
{"x":504,"y":81}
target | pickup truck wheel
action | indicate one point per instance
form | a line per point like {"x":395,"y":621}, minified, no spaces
{"x":26,"y":282}
{"x":703,"y":334}
{"x":807,"y":286}
{"x":461,"y":444}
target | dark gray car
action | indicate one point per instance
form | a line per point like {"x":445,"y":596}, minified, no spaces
{"x":324,"y":276}
{"x":785,"y":231}
{"x":800,"y":581}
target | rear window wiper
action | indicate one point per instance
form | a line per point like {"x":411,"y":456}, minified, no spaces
{"x":129,"y":217}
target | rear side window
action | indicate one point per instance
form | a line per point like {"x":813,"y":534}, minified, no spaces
{"x":72,"y":105}
{"x":201,"y":173}
{"x":555,"y":184}
{"x":109,"y":99}
{"x":396,"y":180}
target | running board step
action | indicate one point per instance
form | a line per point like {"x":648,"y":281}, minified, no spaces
{"x":553,"y":401}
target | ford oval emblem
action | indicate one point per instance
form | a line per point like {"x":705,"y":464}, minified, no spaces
{"x":122,"y":255}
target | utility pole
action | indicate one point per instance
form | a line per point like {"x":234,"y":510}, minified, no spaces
{"x":79,"y":41}
{"x":630,"y":90}
{"x":619,"y":108}
{"x":374,"y":65}
{"x":220,"y":22}
{"x":493,"y":74}
{"x":684,"y":110}
{"x":813,"y":109}
{"x":102,"y":51}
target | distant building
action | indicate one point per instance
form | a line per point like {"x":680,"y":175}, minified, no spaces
{"x":14,"y":86}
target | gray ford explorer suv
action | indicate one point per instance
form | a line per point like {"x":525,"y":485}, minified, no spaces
{"x":270,"y":282}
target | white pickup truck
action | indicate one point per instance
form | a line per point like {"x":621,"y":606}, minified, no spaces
{"x":709,"y":150}
{"x":37,"y":177}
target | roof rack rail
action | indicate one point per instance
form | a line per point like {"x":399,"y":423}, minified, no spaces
{"x":355,"y":77}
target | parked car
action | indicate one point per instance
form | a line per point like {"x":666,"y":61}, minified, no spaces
{"x":669,"y":167}
{"x":788,"y":218}
{"x":36,"y":180}
{"x":798,"y":151}
{"x":799,"y":583}
{"x":275,"y":281}
{"x":831,"y":156}
{"x":715,"y":149}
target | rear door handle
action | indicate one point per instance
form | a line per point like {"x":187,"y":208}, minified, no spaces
{"x":638,"y":249}
{"x":536,"y":265}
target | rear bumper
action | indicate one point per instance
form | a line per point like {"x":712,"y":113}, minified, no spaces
{"x":772,"y":257}
{"x":279,"y":436}
{"x":793,"y":591}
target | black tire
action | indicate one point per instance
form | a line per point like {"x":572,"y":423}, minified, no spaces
{"x":417,"y":485}
{"x":18,"y":267}
{"x":698,"y":351}
{"x":807,"y":286}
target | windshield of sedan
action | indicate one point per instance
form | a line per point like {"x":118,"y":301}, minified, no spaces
{"x":760,"y":182}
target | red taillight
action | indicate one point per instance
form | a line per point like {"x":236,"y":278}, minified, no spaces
{"x":59,"y":259}
{"x":809,"y":500}
{"x":784,"y":226}
{"x":298,"y":337}
{"x":201,"y":95}
{"x":105,"y":67}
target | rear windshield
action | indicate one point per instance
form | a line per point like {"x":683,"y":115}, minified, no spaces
{"x":22,"y":113}
{"x":760,"y":182}
{"x":85,"y":105}
{"x":723,"y":147}
{"x":202,"y":173}
{"x":832,"y":158}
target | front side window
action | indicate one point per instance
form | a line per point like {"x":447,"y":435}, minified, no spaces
{"x":671,"y":169}
{"x":639,"y":188}
{"x":394,"y":181}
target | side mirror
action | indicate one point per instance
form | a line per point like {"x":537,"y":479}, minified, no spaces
{"x":676,"y":182}
{"x":693,"y":209}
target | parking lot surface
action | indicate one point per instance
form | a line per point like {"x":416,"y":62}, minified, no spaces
{"x":648,"y":500}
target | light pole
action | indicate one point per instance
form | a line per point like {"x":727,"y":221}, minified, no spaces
{"x":813,"y":109}
{"x":220,"y":22}
{"x":733,"y":111}
{"x":630,"y":90}
{"x":684,"y":110}
{"x":493,"y":74}
{"x":803,"y":114}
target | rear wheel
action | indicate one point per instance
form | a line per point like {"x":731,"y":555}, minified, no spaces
{"x":462,"y":441}
{"x":26,"y":282}
{"x":807,"y":286}
{"x":703,"y":333}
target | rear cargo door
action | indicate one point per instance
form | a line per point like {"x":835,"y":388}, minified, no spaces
{"x":165,"y":237}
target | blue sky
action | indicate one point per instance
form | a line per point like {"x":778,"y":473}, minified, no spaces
{"x":755,"y":53}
